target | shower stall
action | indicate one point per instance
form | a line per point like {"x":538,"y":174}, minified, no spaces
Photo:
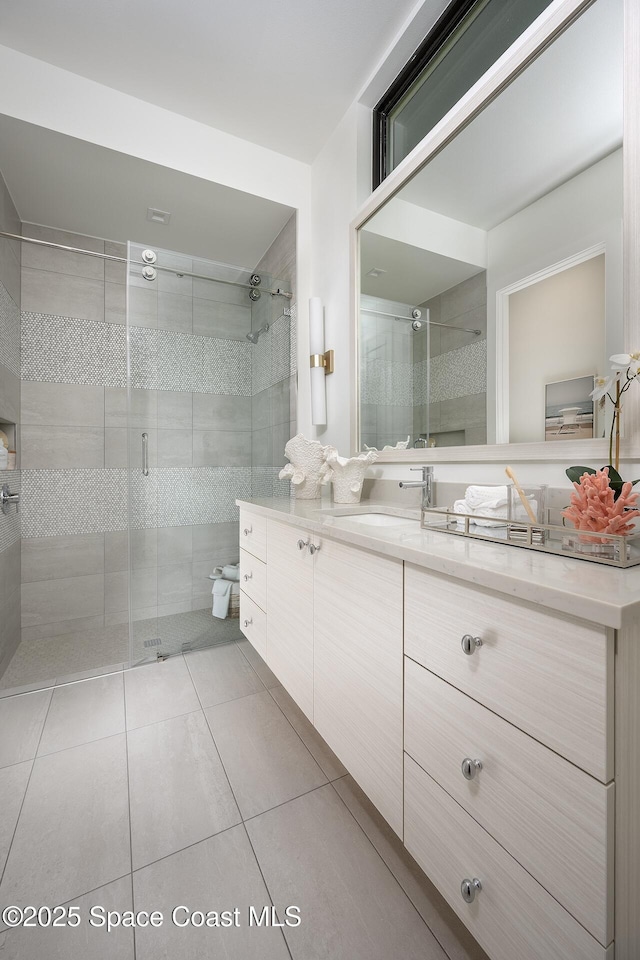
{"x":157,"y":388}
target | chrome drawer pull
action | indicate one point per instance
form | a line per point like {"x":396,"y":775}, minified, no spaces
{"x":247,"y":531}
{"x":313,"y":548}
{"x":469,"y":644}
{"x":469,"y":888}
{"x":247,"y":576}
{"x":248,"y":623}
{"x":302,"y":544}
{"x":470,"y":768}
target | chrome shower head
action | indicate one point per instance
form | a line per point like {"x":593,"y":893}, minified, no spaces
{"x":254,"y":337}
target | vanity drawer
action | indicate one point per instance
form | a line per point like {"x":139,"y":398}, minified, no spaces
{"x":550,"y":675}
{"x":556,"y":820}
{"x":253,"y":578}
{"x":253,"y":534}
{"x":253,"y":623}
{"x":511,"y":916}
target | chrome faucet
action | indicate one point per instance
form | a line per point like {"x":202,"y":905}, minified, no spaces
{"x":426,"y":484}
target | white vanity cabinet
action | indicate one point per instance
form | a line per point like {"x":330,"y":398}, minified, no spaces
{"x":509,"y":767}
{"x":358,"y":668}
{"x":290,"y":611}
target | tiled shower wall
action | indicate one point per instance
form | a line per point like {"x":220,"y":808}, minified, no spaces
{"x":192,"y":395}
{"x":457,"y":412}
{"x":9,"y":412}
{"x":273,"y":368}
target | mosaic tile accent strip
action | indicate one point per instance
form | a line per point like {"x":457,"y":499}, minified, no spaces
{"x":459,"y":373}
{"x":9,"y":332}
{"x":387,"y":382}
{"x":271,"y":356}
{"x":56,"y":502}
{"x":293,"y":328}
{"x":66,"y":350}
{"x":179,"y":496}
{"x":266,"y":483}
{"x":11,"y":522}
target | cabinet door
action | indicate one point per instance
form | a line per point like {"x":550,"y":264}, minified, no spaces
{"x":290,"y":612}
{"x":358,"y":668}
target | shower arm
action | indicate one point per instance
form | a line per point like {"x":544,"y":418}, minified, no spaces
{"x":107,"y":256}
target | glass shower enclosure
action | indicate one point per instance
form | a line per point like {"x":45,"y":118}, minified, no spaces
{"x":204,"y":339}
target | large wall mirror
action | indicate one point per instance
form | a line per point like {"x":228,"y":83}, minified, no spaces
{"x":491,"y":283}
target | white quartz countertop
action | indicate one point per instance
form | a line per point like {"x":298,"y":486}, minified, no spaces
{"x":590,"y":591}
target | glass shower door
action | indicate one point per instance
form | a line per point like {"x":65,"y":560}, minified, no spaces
{"x":189,"y":395}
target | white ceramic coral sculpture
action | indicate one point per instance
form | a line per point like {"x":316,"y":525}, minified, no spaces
{"x":347,"y":475}
{"x":307,"y":466}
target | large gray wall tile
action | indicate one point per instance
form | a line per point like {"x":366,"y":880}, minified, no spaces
{"x":143,"y":306}
{"x":175,"y":448}
{"x":313,"y":853}
{"x":175,"y":545}
{"x":174,"y":765}
{"x":48,"y":601}
{"x":73,"y":832}
{"x":144,"y":408}
{"x":226,"y":321}
{"x":175,"y":410}
{"x":220,"y":870}
{"x":115,"y":303}
{"x":174,"y":583}
{"x":175,"y":312}
{"x":53,"y":447}
{"x":21,"y":722}
{"x":62,"y":295}
{"x":62,"y":404}
{"x":217,"y":448}
{"x":221,"y":412}
{"x":56,"y":558}
{"x":62,"y":261}
{"x":116,"y":551}
{"x":216,"y":540}
{"x":9,"y":395}
{"x":42,"y":631}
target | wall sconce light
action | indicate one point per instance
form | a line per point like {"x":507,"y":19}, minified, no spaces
{"x":321,"y":363}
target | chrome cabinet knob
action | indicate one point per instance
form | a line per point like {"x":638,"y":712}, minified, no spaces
{"x":469,"y":888}
{"x":470,"y":768}
{"x":313,"y":548}
{"x":247,"y":531}
{"x":247,"y":576}
{"x":302,"y":544}
{"x":470,"y":644}
{"x":248,"y":623}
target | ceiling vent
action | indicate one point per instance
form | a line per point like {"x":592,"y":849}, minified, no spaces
{"x":158,"y":216}
{"x":376,"y":272}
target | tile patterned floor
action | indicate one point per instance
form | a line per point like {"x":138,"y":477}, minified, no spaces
{"x":198,"y":781}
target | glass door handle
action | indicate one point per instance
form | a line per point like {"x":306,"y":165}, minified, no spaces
{"x":145,"y":454}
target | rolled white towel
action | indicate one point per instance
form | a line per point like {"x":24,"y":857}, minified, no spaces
{"x":480,"y":514}
{"x":221,"y":597}
{"x":488,"y":497}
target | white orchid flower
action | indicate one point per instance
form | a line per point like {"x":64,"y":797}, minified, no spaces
{"x":626,"y":361}
{"x":603,"y":385}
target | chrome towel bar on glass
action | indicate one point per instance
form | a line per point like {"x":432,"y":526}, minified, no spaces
{"x":145,"y":454}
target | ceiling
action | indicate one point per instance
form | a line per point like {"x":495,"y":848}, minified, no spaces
{"x":74,"y":185}
{"x":277,"y":74}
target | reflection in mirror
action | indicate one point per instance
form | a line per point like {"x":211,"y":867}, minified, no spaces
{"x":509,"y":243}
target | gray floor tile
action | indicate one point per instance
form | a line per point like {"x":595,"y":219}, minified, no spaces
{"x":179,"y":791}
{"x":436,"y":912}
{"x":265,"y":760}
{"x":158,"y":691}
{"x":83,"y":942}
{"x":217,"y":874}
{"x":221,"y":673}
{"x":267,"y":676}
{"x":13,"y":784}
{"x":82,"y":712}
{"x":319,"y":749}
{"x":313,"y":854}
{"x":21,"y":722}
{"x":73,"y":832}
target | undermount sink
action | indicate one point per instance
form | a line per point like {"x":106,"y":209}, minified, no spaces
{"x":375,"y":519}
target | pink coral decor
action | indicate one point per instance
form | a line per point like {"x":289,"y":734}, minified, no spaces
{"x":594,"y":509}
